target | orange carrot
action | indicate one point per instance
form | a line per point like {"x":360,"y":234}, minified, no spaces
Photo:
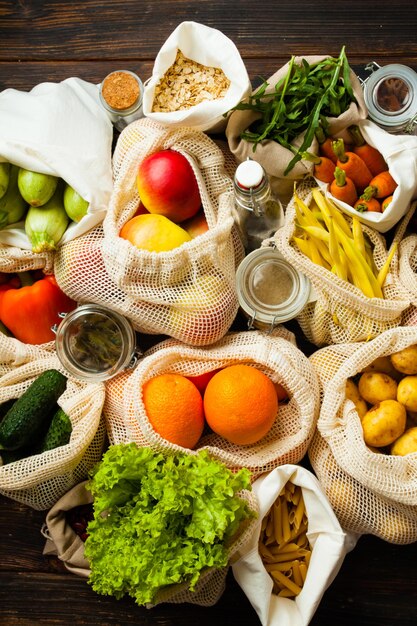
{"x":324,"y":169}
{"x":343,"y":187}
{"x":385,"y":203}
{"x":372,"y":157}
{"x":365,"y":203}
{"x":352,"y":164}
{"x":383,"y":185}
{"x":325,"y":145}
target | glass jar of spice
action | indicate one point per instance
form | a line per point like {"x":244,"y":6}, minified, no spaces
{"x":121,"y":94}
{"x":95,"y":343}
{"x":270,"y":291}
{"x":390,"y":94}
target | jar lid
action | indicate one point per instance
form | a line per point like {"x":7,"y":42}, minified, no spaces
{"x":249,"y":174}
{"x":95,"y":343}
{"x":121,"y":92}
{"x":270,"y":290}
{"x":390,"y":95}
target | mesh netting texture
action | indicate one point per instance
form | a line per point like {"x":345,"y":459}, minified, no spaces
{"x":339,"y":312}
{"x":371,"y":493}
{"x":13,"y":259}
{"x":274,"y":355}
{"x":188,"y":293}
{"x":41,"y":479}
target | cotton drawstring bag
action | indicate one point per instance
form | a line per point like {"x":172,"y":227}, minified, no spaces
{"x":189,"y":292}
{"x":274,"y":354}
{"x":371,"y":493}
{"x":62,"y":541}
{"x":41,"y":479}
{"x":59,"y":129}
{"x":339,"y":312}
{"x":271,"y":154}
{"x":208,"y":47}
{"x":327,"y":541}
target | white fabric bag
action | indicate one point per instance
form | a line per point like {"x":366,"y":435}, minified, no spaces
{"x":329,"y":546}
{"x":400,"y":154}
{"x":209,"y":47}
{"x":59,"y":129}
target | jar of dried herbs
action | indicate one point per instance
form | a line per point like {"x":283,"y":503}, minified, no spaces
{"x":95,"y":343}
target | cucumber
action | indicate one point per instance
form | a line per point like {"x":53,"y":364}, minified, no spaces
{"x":59,"y":432}
{"x":25,"y":420}
{"x":5,"y":406}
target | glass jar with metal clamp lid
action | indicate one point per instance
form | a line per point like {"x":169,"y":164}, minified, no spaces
{"x":390,"y":94}
{"x":260,"y":212}
{"x":95,"y":343}
{"x":269,"y":289}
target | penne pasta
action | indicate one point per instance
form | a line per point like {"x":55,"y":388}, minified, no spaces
{"x":283,"y":544}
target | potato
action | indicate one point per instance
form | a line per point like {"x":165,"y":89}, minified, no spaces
{"x":384,"y":423}
{"x":383,"y":364}
{"x":375,"y":387}
{"x":405,"y":361}
{"x":406,"y":444}
{"x":352,"y":393}
{"x":407,"y":392}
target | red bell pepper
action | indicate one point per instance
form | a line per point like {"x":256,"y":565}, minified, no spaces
{"x":31,"y":311}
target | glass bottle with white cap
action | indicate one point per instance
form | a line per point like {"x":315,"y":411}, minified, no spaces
{"x":260,"y":213}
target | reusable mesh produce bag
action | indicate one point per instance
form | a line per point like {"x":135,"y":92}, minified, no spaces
{"x":39,"y":480}
{"x":13,"y":259}
{"x":406,"y":269}
{"x":371,"y":493}
{"x":274,"y":355}
{"x":188,"y":293}
{"x":339,"y":312}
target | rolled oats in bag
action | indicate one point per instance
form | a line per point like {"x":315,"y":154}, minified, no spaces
{"x":338,"y":311}
{"x":371,"y":492}
{"x":271,"y":154}
{"x":198,"y":76}
{"x":318,"y":533}
{"x":189,"y":292}
{"x":40,"y":479}
{"x":275,"y":355}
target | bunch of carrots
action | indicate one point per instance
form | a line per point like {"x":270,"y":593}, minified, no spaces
{"x":357,"y":174}
{"x":329,"y":240}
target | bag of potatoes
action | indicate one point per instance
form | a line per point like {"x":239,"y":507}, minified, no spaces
{"x":32,"y":471}
{"x":170,"y":280}
{"x":341,"y":308}
{"x":280,"y":436}
{"x":364,"y":451}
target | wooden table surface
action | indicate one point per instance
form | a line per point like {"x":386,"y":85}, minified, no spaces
{"x":50,"y":40}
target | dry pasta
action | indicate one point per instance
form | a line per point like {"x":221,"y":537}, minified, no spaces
{"x":283,"y":544}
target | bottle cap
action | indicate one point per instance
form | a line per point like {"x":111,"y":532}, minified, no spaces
{"x":249,"y":174}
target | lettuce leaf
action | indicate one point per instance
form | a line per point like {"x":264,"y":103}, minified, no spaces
{"x":160,"y":520}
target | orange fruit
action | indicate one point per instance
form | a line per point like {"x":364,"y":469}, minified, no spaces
{"x":240,"y":404}
{"x":174,"y":407}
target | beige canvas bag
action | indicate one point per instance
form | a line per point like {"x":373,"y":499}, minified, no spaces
{"x":41,"y":479}
{"x":188,"y":293}
{"x":371,"y":493}
{"x":338,"y":312}
{"x":62,"y":541}
{"x":274,"y":157}
{"x":275,"y":355}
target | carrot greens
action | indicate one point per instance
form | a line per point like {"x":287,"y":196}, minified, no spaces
{"x":299,"y":103}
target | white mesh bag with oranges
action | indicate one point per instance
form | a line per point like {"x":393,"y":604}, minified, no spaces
{"x":251,"y":400}
{"x":364,"y":451}
{"x":169,"y":248}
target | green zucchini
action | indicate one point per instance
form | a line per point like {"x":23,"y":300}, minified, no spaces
{"x":26,"y":419}
{"x":5,"y":406}
{"x":59,"y":432}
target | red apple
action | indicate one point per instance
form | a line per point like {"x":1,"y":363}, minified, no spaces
{"x":196,"y":225}
{"x":167,"y":186}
